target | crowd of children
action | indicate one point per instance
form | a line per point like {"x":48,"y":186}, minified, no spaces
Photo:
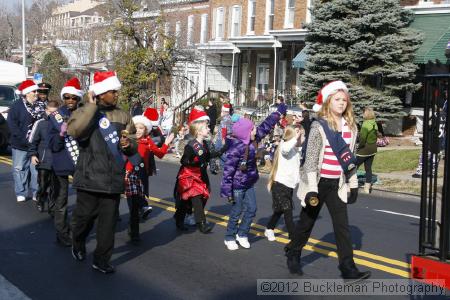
{"x":108,"y":152}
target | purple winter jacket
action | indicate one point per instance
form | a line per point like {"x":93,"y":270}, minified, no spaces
{"x":233,"y":177}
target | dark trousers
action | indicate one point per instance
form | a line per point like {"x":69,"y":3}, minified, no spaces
{"x":134,"y":204}
{"x":328,"y":195}
{"x":288,"y":219}
{"x":198,"y":204}
{"x":89,"y":207}
{"x":46,"y":192}
{"x":60,"y":209}
{"x":367,"y":160}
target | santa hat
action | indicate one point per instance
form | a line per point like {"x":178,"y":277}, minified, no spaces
{"x":73,"y":87}
{"x":105,"y":81}
{"x":152,"y":115}
{"x":197,"y":114}
{"x":27,"y":86}
{"x":143,"y":120}
{"x":226,"y":107}
{"x":326,"y":91}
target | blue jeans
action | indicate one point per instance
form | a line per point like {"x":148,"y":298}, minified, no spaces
{"x":245,"y":205}
{"x":24,"y":174}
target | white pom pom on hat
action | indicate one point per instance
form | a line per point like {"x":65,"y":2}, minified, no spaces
{"x":326,"y":91}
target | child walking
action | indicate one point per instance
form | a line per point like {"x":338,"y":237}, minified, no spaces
{"x":137,"y":170}
{"x":283,"y":179}
{"x":329,"y":169}
{"x":240,"y":174}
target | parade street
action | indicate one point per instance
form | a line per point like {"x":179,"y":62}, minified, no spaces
{"x":168,"y":264}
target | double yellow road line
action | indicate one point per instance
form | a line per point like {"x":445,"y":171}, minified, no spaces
{"x":374,"y":261}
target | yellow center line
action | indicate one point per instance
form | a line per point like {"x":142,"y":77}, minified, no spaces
{"x":282,"y":238}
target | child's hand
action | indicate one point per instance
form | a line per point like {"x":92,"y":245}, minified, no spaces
{"x":169,"y":139}
{"x":34,"y":160}
{"x":231,"y":200}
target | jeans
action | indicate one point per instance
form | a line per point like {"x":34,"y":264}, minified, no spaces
{"x":245,"y":204}
{"x":367,"y":160}
{"x":288,"y":220}
{"x":24,"y":174}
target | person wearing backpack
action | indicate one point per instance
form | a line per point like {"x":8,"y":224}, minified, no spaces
{"x":367,"y":147}
{"x":328,"y":165}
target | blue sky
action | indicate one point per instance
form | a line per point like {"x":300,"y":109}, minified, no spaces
{"x":12,"y":4}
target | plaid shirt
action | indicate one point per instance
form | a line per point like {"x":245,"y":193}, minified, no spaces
{"x":133,"y":184}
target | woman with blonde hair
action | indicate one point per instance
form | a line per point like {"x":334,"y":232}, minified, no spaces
{"x":328,"y":170}
{"x":367,"y":147}
{"x":283,"y":179}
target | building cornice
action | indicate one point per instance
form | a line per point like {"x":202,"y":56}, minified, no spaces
{"x":429,"y":8}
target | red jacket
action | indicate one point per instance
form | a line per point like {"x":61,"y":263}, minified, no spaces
{"x":145,"y":147}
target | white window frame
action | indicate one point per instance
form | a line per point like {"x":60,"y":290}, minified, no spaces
{"x":309,"y":6}
{"x":219,"y":21}
{"x":177,"y":33}
{"x":235,"y":20}
{"x":204,"y":29}
{"x":251,"y":17}
{"x":190,"y":31}
{"x":270,"y":5}
{"x":289,"y":13}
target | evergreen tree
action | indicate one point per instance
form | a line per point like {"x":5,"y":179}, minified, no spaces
{"x":50,"y":68}
{"x":369,"y":46}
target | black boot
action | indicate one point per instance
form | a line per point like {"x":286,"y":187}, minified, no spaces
{"x":204,"y":227}
{"x":40,"y":205}
{"x":351,"y":274}
{"x":293,"y":261}
{"x":64,"y":240}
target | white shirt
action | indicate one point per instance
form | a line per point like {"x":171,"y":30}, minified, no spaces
{"x":288,"y":171}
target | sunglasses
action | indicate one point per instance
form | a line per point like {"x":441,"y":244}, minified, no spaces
{"x":70,"y":97}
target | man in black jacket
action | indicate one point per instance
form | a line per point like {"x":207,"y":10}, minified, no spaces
{"x":99,"y":175}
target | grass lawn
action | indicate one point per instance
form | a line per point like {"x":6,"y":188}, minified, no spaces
{"x":389,"y":161}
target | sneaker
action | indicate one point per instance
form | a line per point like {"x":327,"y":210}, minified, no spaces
{"x":189,"y":220}
{"x":243,"y":241}
{"x":231,"y":245}
{"x":415,"y":175}
{"x":34,"y":198}
{"x":269,"y":234}
{"x":78,"y":255}
{"x":146,"y":210}
{"x":21,"y":198}
{"x":103,"y":268}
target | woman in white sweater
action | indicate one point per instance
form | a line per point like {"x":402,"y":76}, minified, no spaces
{"x":283,"y":179}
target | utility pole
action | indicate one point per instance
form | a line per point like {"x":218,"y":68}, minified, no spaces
{"x":24,"y":50}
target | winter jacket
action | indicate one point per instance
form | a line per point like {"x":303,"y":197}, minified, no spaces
{"x":147,"y":149}
{"x":368,"y":138}
{"x":97,"y":169}
{"x":39,"y":144}
{"x":233,"y":177}
{"x":62,"y":161}
{"x":19,"y":119}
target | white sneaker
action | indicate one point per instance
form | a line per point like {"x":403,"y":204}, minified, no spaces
{"x":243,"y":241}
{"x":21,"y":198}
{"x":269,"y":234}
{"x":231,"y":245}
{"x":189,"y":220}
{"x":34,"y":198}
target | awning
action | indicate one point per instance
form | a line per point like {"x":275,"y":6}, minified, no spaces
{"x":299,"y":61}
{"x":436,"y":34}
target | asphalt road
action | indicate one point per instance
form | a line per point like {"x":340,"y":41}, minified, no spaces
{"x":172,"y":265}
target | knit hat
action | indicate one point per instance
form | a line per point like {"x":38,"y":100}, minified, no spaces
{"x":27,"y":86}
{"x":73,"y":87}
{"x":104,"y":82}
{"x":144,"y":121}
{"x":242,"y":130}
{"x":326,"y":91}
{"x":152,"y":115}
{"x":226,"y":107}
{"x":197,"y":114}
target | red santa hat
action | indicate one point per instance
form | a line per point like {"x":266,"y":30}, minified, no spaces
{"x":226,"y":107}
{"x":197,"y":114}
{"x":27,"y":86}
{"x":326,"y":91}
{"x":144,"y":121}
{"x":152,"y":115}
{"x":105,"y":81}
{"x":73,"y":87}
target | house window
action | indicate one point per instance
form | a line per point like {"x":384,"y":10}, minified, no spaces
{"x":270,"y":15}
{"x":204,"y":29}
{"x":251,"y":16}
{"x":219,"y":23}
{"x":190,"y":31}
{"x":309,"y":6}
{"x":290,"y":12}
{"x":177,"y":33}
{"x":236,"y":21}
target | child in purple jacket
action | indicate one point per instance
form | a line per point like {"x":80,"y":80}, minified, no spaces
{"x":240,"y":174}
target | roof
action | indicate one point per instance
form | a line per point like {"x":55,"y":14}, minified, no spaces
{"x":299,"y":60}
{"x":436,"y":31}
{"x":77,"y":6}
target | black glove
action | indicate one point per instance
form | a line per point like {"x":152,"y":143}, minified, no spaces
{"x":353,"y":196}
{"x":310,"y":195}
{"x":231,"y":200}
{"x":224,"y":148}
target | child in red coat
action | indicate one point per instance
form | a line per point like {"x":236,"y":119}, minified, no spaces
{"x":138,"y":169}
